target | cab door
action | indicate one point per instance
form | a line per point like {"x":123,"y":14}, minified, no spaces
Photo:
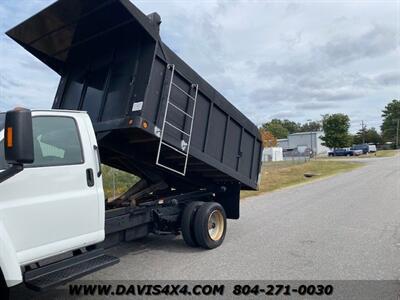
{"x":53,"y":205}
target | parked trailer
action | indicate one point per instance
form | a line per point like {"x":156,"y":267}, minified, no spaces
{"x":149,"y":114}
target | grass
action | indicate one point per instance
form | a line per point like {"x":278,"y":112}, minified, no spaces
{"x":122,"y":181}
{"x":380,"y":153}
{"x":275,"y":176}
{"x":279,"y":175}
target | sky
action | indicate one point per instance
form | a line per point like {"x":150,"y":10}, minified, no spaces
{"x":272,"y":59}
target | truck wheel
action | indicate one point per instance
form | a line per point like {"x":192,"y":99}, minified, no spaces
{"x":210,"y":225}
{"x":187,"y":222}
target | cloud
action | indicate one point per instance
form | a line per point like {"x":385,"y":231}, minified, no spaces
{"x":378,"y":41}
{"x":305,"y":91}
{"x":389,"y":79}
{"x":8,"y":83}
{"x":270,"y":96}
{"x":315,"y":106}
{"x":335,"y":71}
{"x":337,"y":94}
{"x":288,"y":114}
{"x":293,"y":8}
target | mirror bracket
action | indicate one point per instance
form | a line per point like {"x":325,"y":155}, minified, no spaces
{"x":18,"y":141}
{"x":10,"y":172}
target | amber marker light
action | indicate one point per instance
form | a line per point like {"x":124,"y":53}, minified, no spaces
{"x":9,"y":137}
{"x":145,"y":124}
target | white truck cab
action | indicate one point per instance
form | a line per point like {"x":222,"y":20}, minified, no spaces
{"x":57,"y":203}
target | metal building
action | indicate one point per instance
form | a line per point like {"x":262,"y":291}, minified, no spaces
{"x":304,"y":141}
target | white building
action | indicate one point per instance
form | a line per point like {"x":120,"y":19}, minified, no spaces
{"x":301,"y":141}
{"x":272,"y":154}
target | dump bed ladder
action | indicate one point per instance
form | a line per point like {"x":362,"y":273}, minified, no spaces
{"x":163,"y":143}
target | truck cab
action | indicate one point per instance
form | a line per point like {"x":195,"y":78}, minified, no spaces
{"x":57,"y":203}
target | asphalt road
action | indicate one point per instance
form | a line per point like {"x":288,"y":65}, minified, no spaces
{"x":342,"y":227}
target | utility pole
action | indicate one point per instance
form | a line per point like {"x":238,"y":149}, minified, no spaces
{"x":363,"y":131}
{"x":311,"y":140}
{"x":397,"y":134}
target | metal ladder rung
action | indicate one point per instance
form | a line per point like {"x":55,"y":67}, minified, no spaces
{"x":181,"y":110}
{"x":166,"y":122}
{"x":173,"y":148}
{"x":191,"y":97}
{"x":171,"y":169}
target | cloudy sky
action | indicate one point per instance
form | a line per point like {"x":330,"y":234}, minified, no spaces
{"x":271,"y":59}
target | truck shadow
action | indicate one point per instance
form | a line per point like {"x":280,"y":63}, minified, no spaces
{"x":164,"y":243}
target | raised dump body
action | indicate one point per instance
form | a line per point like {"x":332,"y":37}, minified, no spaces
{"x":153,"y":115}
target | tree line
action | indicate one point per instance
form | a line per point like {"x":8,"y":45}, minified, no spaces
{"x":336,"y":129}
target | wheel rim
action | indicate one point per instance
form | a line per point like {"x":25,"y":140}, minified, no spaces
{"x":216,"y":225}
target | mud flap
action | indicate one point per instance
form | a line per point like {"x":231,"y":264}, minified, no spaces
{"x":230,"y":199}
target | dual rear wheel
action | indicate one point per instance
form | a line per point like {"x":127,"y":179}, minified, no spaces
{"x":204,"y":224}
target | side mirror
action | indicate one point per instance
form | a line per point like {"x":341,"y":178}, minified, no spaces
{"x":18,"y":137}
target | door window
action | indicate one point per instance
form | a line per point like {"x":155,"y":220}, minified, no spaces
{"x":56,"y":142}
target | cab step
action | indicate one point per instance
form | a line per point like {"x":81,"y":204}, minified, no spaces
{"x":61,"y":272}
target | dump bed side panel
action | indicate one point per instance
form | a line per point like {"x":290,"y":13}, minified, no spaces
{"x":226,"y":139}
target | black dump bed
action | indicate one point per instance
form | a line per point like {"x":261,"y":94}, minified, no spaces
{"x":114,"y":65}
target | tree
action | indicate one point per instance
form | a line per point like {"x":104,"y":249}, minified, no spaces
{"x":276,"y":129}
{"x":390,"y":115}
{"x":336,"y":130}
{"x":372,"y":136}
{"x":281,"y":128}
{"x":269,"y":140}
{"x":311,"y":126}
{"x":359,"y":138}
{"x":291,"y":126}
{"x":369,"y":136}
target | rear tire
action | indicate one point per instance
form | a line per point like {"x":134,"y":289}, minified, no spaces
{"x":187,"y":223}
{"x":210,"y":225}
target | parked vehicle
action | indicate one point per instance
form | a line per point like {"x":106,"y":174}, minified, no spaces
{"x":148,"y":113}
{"x":371,"y":148}
{"x":363,"y":147}
{"x":341,"y":152}
{"x":357,"y":152}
